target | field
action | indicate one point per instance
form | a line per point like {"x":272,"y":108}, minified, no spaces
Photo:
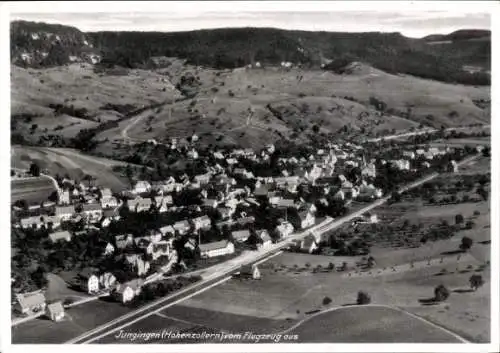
{"x":248,"y":106}
{"x":358,"y":326}
{"x":77,"y":86}
{"x":66,"y":161}
{"x":33,"y":190}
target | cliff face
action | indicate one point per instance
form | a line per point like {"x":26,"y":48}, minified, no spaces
{"x":450,"y":60}
{"x":39,"y":44}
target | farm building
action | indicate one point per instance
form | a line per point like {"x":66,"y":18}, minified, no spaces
{"x":309,"y":244}
{"x":141,"y":187}
{"x":55,"y":311}
{"x":30,"y":303}
{"x":217,"y":248}
{"x":65,"y":212}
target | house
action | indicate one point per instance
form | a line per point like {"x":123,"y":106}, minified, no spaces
{"x":57,"y":236}
{"x":144,"y":244}
{"x":314,"y":173}
{"x":225,"y":212}
{"x":88,"y":280}
{"x":64,"y":213}
{"x":426,"y":165}
{"x":190,"y":244}
{"x":30,"y":303}
{"x":286,"y":203}
{"x":409,"y":154}
{"x":193,"y":154}
{"x":453,"y":167}
{"x":124,"y":240}
{"x":182,"y":227}
{"x":210,"y":203}
{"x":125,"y":292}
{"x":308,"y":244}
{"x":162,"y":248}
{"x":30,"y":222}
{"x":218,"y":155}
{"x":307,"y":219}
{"x":339,"y":195}
{"x":217,"y":248}
{"x":107,"y":280}
{"x":203,"y":179}
{"x":63,"y":197}
{"x":140,"y":265}
{"x":250,"y":271}
{"x":401,"y":164}
{"x":93,"y":212}
{"x":161,"y":204}
{"x":240,"y":235}
{"x":139,"y":204}
{"x":55,"y":311}
{"x":369,"y":171}
{"x":109,"y":201}
{"x":262,"y":191}
{"x":263,"y":234}
{"x":109,"y":249}
{"x":284,"y":229}
{"x":202,"y":222}
{"x":141,"y":187}
{"x":109,"y":216}
{"x":245,"y":220}
{"x":167,"y":230}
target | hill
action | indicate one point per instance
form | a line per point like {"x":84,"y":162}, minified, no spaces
{"x":237,"y":47}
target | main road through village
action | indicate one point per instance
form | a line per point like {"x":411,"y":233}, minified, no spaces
{"x":223,"y":272}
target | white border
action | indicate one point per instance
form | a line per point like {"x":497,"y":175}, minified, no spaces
{"x":82,"y":7}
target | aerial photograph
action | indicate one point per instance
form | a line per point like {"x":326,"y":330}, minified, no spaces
{"x":250,"y":176}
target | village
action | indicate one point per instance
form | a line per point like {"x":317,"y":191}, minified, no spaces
{"x":179,"y":225}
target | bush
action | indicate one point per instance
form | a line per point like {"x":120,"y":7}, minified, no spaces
{"x":363,"y":298}
{"x":441,"y":293}
{"x":466,"y":244}
{"x":476,"y":281}
{"x":326,"y":300}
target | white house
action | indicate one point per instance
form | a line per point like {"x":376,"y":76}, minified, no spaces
{"x":57,"y":236}
{"x":109,"y":202}
{"x":89,"y":282}
{"x":182,"y":227}
{"x":139,"y":204}
{"x":202,"y":222}
{"x":107,"y":280}
{"x":125,"y":292}
{"x":93,"y":212}
{"x":284,"y":229}
{"x":263,"y":234}
{"x":307,"y":219}
{"x":218,"y":248}
{"x":141,"y":186}
{"x":308,"y":244}
{"x":65,"y":212}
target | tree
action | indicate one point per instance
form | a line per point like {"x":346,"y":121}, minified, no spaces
{"x":326,"y":300}
{"x":331,"y":266}
{"x":466,"y":244}
{"x":363,"y":298}
{"x":34,"y":170}
{"x":441,"y":293}
{"x":476,"y":281}
{"x":308,"y":264}
{"x":459,"y":219}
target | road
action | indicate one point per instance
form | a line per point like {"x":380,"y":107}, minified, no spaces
{"x":421,"y":132}
{"x":222,"y":273}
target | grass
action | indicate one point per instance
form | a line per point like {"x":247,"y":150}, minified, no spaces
{"x":358,"y":324}
{"x":33,"y":190}
{"x":318,"y":99}
{"x":66,"y":161}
